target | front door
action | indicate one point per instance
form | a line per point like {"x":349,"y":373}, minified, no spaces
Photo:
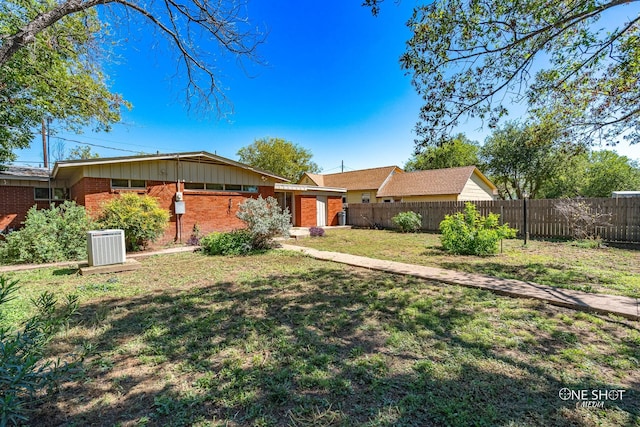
{"x":321,"y":205}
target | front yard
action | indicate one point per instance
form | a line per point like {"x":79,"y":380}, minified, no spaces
{"x":281,"y":339}
{"x":561,"y":264}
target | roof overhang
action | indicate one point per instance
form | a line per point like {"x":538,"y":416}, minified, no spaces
{"x":200,"y":156}
{"x":307,"y":188}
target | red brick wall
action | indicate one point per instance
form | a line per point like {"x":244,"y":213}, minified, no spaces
{"x":334,"y":205}
{"x":14,"y":204}
{"x":91,"y":193}
{"x":306,"y":211}
{"x":210,"y":210}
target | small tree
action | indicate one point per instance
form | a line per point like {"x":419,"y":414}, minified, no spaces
{"x":583,"y":220}
{"x":49,"y":235}
{"x":265,"y":220}
{"x":408,"y":222}
{"x":24,"y":370}
{"x":141,"y":218}
{"x":469,"y":233}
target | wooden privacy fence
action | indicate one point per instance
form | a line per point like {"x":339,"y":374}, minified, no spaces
{"x":544,"y":220}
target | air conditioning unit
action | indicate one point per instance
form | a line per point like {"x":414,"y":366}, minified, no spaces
{"x":106,"y":247}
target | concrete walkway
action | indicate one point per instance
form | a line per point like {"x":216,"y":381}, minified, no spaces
{"x":618,"y":305}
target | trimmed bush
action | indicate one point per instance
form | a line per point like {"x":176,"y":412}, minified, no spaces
{"x":469,"y":233}
{"x":141,"y":218}
{"x":196,"y":235}
{"x":24,"y":370}
{"x":408,"y":222}
{"x":238,"y":242}
{"x":316,"y":231}
{"x":49,"y":235}
{"x":265,"y":220}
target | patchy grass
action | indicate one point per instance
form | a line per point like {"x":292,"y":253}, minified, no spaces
{"x":559,"y":264}
{"x":281,"y":339}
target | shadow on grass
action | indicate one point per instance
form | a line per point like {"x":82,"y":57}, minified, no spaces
{"x":314,"y":349}
{"x":65,"y":271}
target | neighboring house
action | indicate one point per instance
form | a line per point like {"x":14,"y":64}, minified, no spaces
{"x":437,"y":185}
{"x":361,"y":185}
{"x":392,"y":184}
{"x":210,"y":186}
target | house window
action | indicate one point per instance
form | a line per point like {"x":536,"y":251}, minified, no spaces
{"x":388,"y":201}
{"x":233,"y":187}
{"x":43,"y":194}
{"x":194,"y":185}
{"x":365,"y":197}
{"x":128,"y":183}
{"x":215,"y":187}
{"x":250,"y":188}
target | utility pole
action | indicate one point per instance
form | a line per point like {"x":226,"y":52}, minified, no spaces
{"x":45,"y":152}
{"x":342,"y":168}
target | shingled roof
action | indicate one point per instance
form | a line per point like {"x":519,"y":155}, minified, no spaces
{"x":365,"y":179}
{"x":24,"y":172}
{"x":430,"y":182}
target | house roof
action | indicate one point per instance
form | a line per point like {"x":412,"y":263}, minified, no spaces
{"x":24,"y":173}
{"x":365,"y":179}
{"x":431,"y":182}
{"x":200,"y":156}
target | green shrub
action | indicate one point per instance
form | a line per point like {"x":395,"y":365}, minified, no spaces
{"x":265,"y":220}
{"x":24,"y":369}
{"x":469,"y":233}
{"x":238,"y":242}
{"x":141,"y":218}
{"x":408,"y":222}
{"x":49,"y":235}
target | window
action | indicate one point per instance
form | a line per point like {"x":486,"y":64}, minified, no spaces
{"x":233,"y":187}
{"x":194,"y":185}
{"x":43,"y":194}
{"x":365,"y":197}
{"x":250,"y":188}
{"x":218,"y":187}
{"x":128,"y":183}
{"x":344,"y":199}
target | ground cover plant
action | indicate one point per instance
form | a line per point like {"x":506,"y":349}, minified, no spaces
{"x":277,"y":339}
{"x":561,"y":264}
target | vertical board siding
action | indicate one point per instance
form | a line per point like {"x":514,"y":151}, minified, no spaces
{"x":544,"y":220}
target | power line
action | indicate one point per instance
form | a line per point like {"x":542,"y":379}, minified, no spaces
{"x":95,"y":145}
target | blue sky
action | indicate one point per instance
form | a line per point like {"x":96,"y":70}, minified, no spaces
{"x":332,"y":84}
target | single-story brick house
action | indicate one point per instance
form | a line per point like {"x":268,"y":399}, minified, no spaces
{"x":210,"y":186}
{"x":392,"y":184}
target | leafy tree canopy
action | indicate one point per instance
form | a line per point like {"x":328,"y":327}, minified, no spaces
{"x":607,"y":172}
{"x":454,"y":152}
{"x":56,"y":76}
{"x":280,"y":157}
{"x":82,"y":152}
{"x":522,"y":157}
{"x":51,"y":52}
{"x":468,"y":58}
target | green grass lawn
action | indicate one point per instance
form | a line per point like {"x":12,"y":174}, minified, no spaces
{"x":281,"y":339}
{"x":560,"y":264}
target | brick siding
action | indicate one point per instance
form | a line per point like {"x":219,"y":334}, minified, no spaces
{"x":15,"y":202}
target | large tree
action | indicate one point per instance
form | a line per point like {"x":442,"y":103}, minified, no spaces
{"x":522,"y":158}
{"x":451,"y":153}
{"x":51,"y":56}
{"x":471,"y":58}
{"x":607,"y":172}
{"x":280,"y":157}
